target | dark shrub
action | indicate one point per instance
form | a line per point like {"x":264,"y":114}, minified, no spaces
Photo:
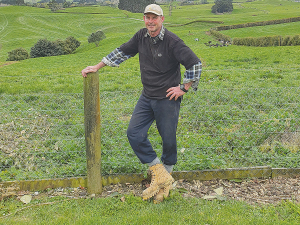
{"x":72,"y":43}
{"x":60,"y":44}
{"x":45,"y":48}
{"x":17,"y":54}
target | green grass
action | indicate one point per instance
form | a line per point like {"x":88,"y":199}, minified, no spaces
{"x":284,"y":29}
{"x":174,"y":210}
{"x":246,"y":102}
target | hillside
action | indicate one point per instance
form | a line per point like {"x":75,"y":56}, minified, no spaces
{"x":245,"y":113}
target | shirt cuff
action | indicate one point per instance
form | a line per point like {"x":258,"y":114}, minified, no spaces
{"x":115,"y":58}
{"x":193,"y":75}
{"x":194,"y":84}
{"x":109,"y":63}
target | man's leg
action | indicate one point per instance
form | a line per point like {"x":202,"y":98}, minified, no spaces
{"x":166,"y":114}
{"x":137,"y":131}
{"x":141,"y":120}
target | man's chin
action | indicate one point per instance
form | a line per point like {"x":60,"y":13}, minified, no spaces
{"x":152,"y":30}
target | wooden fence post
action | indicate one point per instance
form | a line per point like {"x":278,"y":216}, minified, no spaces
{"x":92,"y":132}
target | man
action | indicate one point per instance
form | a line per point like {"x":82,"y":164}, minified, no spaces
{"x":160,"y":54}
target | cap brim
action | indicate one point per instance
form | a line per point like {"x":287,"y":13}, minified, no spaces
{"x":153,"y":13}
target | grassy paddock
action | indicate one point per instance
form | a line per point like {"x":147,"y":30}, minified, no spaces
{"x":285,"y":29}
{"x":246,"y":104}
{"x":175,"y":210}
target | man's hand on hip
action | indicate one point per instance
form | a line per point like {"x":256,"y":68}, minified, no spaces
{"x":175,"y":92}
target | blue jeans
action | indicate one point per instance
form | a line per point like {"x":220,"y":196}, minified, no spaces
{"x":165,"y":112}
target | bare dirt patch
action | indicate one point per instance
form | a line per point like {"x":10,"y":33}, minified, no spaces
{"x":7,"y":63}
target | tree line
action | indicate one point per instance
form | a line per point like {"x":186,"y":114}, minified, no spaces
{"x":135,"y":6}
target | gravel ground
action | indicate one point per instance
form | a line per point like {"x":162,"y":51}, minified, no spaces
{"x":262,"y":191}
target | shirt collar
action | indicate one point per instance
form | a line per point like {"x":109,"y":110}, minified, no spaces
{"x":160,"y":35}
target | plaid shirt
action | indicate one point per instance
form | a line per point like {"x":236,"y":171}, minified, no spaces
{"x":117,"y":56}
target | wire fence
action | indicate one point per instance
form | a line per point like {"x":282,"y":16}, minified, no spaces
{"x":42,"y":135}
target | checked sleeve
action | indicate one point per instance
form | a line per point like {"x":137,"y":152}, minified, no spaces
{"x":193,"y":74}
{"x":115,"y":58}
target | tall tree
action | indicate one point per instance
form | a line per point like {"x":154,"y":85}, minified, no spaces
{"x":222,"y":6}
{"x":9,"y":2}
{"x":135,"y":6}
{"x":96,"y":37}
{"x":20,"y":2}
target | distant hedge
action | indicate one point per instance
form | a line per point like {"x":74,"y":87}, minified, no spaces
{"x":259,"y":41}
{"x":268,"y":41}
{"x":219,"y":35}
{"x":260,"y":23}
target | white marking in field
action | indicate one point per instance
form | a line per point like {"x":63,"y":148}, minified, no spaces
{"x":5,"y":24}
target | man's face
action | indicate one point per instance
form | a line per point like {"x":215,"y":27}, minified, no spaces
{"x":153,"y":23}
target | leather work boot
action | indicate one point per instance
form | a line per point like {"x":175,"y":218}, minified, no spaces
{"x":162,"y":194}
{"x":160,"y":178}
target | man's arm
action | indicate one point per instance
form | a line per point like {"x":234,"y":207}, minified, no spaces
{"x":113,"y":59}
{"x":191,"y":79}
{"x":193,"y":75}
{"x":92,"y":69}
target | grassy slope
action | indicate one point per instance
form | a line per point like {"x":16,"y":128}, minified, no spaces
{"x":34,"y":24}
{"x":39,"y":23}
{"x":237,"y":66}
{"x":227,"y":73}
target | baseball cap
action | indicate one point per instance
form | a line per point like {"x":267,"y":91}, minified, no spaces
{"x":153,"y":8}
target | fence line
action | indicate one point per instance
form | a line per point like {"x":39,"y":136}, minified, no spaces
{"x":124,"y":71}
{"x":42,"y":135}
